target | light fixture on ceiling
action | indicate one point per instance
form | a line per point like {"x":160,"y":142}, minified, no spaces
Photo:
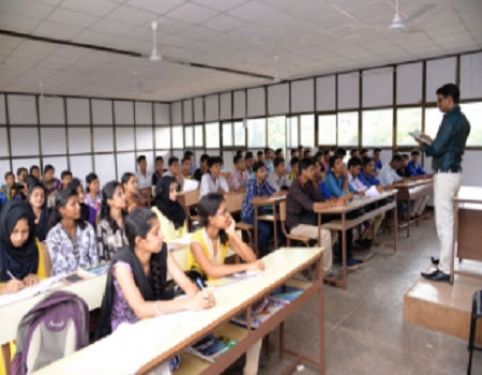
{"x":397,"y":22}
{"x":155,"y":56}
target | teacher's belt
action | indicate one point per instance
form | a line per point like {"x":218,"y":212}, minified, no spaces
{"x":449,"y":170}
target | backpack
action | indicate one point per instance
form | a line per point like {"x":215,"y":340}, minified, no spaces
{"x":54,"y":328}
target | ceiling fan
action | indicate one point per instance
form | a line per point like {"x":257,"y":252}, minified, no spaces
{"x":155,"y":56}
{"x":400,"y":23}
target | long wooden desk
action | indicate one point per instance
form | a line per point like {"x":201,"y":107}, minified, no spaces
{"x":467,"y":228}
{"x":411,"y":190}
{"x":145,"y":345}
{"x":343,"y":225}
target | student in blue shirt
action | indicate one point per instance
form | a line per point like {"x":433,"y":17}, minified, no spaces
{"x":414,"y":168}
{"x":376,"y":159}
{"x":336,"y":180}
{"x":367,"y":177}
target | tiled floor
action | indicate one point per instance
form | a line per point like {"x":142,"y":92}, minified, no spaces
{"x":365,"y":331}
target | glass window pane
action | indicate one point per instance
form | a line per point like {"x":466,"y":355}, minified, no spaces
{"x":277,"y":132}
{"x":198,"y":136}
{"x":227,"y":134}
{"x":188,"y":136}
{"x":327,"y":130}
{"x":307,"y":129}
{"x":292,"y":131}
{"x":348,"y":129}
{"x":212,"y":135}
{"x":377,"y":127}
{"x":433,"y":119}
{"x":408,"y":120}
{"x":177,"y":137}
{"x":239,"y":134}
{"x":473,"y":112}
{"x":256,"y":132}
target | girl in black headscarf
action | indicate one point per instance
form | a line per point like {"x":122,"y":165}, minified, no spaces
{"x":19,"y":254}
{"x":169,"y":211}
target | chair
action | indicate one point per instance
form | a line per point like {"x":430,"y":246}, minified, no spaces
{"x":290,"y":237}
{"x":189,"y":200}
{"x":474,"y":317}
{"x":234,"y":202}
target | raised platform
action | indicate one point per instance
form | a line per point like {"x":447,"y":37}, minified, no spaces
{"x":443,"y":307}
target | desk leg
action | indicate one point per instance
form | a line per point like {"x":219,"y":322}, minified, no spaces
{"x":321,"y":316}
{"x":256,"y":230}
{"x":395,"y":229}
{"x":281,"y":340}
{"x":343,"y":251}
{"x":455,"y":233}
{"x":408,"y":219}
{"x":275,"y":231}
{"x":6,"y":357}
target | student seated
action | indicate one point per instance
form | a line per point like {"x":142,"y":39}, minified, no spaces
{"x":186,"y":168}
{"x":159,"y":172}
{"x":403,"y":171}
{"x":36,"y":199}
{"x":294,"y":163}
{"x":133,"y":198}
{"x":209,"y":247}
{"x":66,"y":178}
{"x":110,"y":229}
{"x":367,"y":177}
{"x":137,"y":277}
{"x":87,"y":213}
{"x":174,"y":170}
{"x":239,"y":177}
{"x":52,"y":184}
{"x":414,"y":168}
{"x":212,"y":181}
{"x":168,"y":210}
{"x":7,"y":187}
{"x":302,"y":199}
{"x":354,"y":170}
{"x":377,"y":160}
{"x":336,"y":180}
{"x":35,"y":172}
{"x":23,"y":260}
{"x":93,"y":198}
{"x":388,"y":174}
{"x":278,"y":178}
{"x":258,"y":186}
{"x":71,"y":241}
{"x":203,"y":167}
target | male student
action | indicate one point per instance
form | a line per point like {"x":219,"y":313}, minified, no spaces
{"x":239,"y":177}
{"x":367,"y":177}
{"x":66,"y":178}
{"x":278,"y":178}
{"x":336,"y":180}
{"x":249,"y":162}
{"x":158,"y":173}
{"x":190,"y":155}
{"x":294,"y":163}
{"x":22,"y":172}
{"x":302,"y":199}
{"x":35,"y":171}
{"x":144,"y":180}
{"x":259,"y":156}
{"x":403,"y":171}
{"x":51,"y":184}
{"x":414,"y":168}
{"x":268,"y":159}
{"x":186,"y":167}
{"x":174,"y":170}
{"x":257,"y":186}
{"x":388,"y":174}
{"x":212,"y":181}
{"x":6,"y":188}
{"x":203,"y":167}
{"x":354,"y":170}
{"x":376,"y":159}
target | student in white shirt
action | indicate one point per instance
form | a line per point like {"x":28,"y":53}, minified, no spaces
{"x":278,"y":179}
{"x":144,"y":178}
{"x":174,"y":170}
{"x":212,"y":181}
{"x":354,"y":170}
{"x":388,"y":174}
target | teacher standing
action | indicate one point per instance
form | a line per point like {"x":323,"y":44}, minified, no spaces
{"x":446,"y":149}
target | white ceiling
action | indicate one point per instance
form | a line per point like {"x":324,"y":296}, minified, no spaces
{"x":308,"y":36}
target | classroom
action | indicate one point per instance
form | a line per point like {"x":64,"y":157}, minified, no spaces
{"x":240,"y":187}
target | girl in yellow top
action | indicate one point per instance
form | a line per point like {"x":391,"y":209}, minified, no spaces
{"x":23,"y":260}
{"x":169,"y":212}
{"x":209,"y":247}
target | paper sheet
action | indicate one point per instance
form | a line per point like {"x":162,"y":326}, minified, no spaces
{"x":189,"y":185}
{"x":372,"y":192}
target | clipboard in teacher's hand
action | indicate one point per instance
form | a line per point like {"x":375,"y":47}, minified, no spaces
{"x":421,"y":137}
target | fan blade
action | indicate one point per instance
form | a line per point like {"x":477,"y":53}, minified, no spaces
{"x":420,"y":12}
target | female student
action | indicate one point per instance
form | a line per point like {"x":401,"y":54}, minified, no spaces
{"x":38,"y":203}
{"x":71,"y":241}
{"x":93,"y":198}
{"x":110,"y":230}
{"x":170,"y":213}
{"x":133,"y":198}
{"x":22,"y":259}
{"x":138,"y":275}
{"x":209,"y":247}
{"x":87,"y":213}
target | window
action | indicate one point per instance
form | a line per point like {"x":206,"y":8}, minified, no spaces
{"x":433,"y":119}
{"x":408,"y":120}
{"x":377,"y":127}
{"x":327,"y":130}
{"x":307,"y":130}
{"x":348,"y":129}
{"x":177,"y":137}
{"x":188,"y":136}
{"x":473,"y":112}
{"x":239,"y":134}
{"x":277,"y":132}
{"x":198,"y":136}
{"x":292,"y":130}
{"x":212,"y":135}
{"x":256,"y":132}
{"x":227,"y":134}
